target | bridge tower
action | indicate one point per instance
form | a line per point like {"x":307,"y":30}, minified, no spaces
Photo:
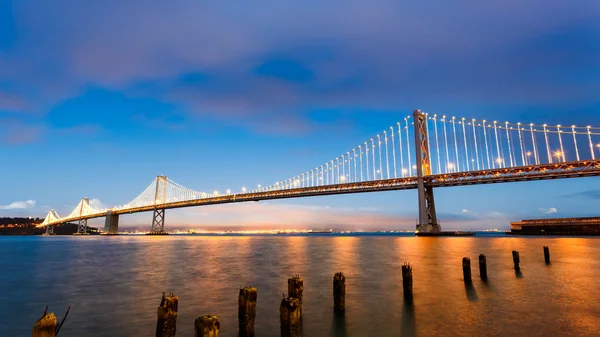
{"x":160,"y":197}
{"x":82,"y":227}
{"x":50,"y":230}
{"x":427,"y":217}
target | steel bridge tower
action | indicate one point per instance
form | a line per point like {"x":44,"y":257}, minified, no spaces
{"x":82,"y":227}
{"x":160,"y":197}
{"x":427,"y":217}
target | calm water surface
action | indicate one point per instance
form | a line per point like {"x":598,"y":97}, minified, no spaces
{"x":114,"y":284}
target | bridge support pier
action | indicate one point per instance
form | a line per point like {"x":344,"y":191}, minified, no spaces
{"x":50,"y":230}
{"x":111,"y":224}
{"x":158,"y":222}
{"x":427,"y":216}
{"x":82,"y":227}
{"x":160,"y":197}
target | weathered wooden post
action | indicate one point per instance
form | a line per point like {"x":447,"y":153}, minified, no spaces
{"x":45,"y":326}
{"x":339,"y":292}
{"x":166,"y":323}
{"x":207,"y":326}
{"x":407,"y":281}
{"x":295,"y":289}
{"x":547,"y":254}
{"x":482,"y":267}
{"x":516,"y":259}
{"x":290,"y":317}
{"x":247,"y":311}
{"x":466,"y":264}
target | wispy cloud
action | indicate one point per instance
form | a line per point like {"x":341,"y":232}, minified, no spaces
{"x":589,"y":194}
{"x":20,"y":205}
{"x":550,"y":210}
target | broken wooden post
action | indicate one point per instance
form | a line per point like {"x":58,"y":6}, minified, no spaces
{"x":482,"y":267}
{"x":166,"y":323}
{"x":207,"y":326}
{"x":516,"y":259}
{"x":407,"y":281}
{"x":339,"y":292}
{"x":290,"y":317}
{"x":547,"y":254}
{"x":295,"y":289}
{"x":45,"y":326}
{"x":466,"y":264}
{"x":247,"y":311}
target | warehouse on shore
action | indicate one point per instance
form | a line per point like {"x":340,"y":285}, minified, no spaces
{"x":560,"y":226}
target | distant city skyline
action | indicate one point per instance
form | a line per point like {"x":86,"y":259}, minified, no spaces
{"x":98,"y":98}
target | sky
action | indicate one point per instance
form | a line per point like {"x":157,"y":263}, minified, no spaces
{"x":97,"y":98}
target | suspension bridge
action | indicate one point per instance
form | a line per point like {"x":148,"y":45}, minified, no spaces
{"x":423,"y":151}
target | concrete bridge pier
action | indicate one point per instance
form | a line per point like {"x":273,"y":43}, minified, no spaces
{"x":111,"y":224}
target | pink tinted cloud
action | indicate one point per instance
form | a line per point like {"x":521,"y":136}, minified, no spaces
{"x":13,"y":102}
{"x":14,"y":132}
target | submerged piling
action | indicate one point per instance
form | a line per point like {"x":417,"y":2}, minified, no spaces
{"x":290,"y":317}
{"x":207,"y":326}
{"x":247,"y":311}
{"x":166,"y":323}
{"x":516,"y":259}
{"x":407,"y":281}
{"x":482,"y":267}
{"x":339,"y":292}
{"x":466,"y":265}
{"x":547,"y":254}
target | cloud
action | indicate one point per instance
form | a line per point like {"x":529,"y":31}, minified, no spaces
{"x":97,"y":204}
{"x":465,"y":211}
{"x":590,"y":194}
{"x":550,"y":210}
{"x":262,"y":65}
{"x":20,"y":205}
{"x":15,"y":132}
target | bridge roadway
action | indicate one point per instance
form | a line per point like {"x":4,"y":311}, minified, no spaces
{"x":524,"y":173}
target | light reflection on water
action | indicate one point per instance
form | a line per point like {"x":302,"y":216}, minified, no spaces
{"x":114,"y":284}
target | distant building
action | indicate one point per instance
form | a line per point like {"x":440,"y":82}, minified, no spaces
{"x":561,"y":226}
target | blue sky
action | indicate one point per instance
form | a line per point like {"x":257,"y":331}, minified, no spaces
{"x":99,"y":97}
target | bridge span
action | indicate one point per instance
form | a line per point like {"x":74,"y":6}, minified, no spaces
{"x":417,"y":153}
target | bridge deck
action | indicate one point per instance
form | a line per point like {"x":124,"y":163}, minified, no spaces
{"x":524,"y":173}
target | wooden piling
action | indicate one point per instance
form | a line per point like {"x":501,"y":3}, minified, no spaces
{"x":166,"y":323}
{"x":466,"y":264}
{"x":296,"y":287}
{"x":247,"y":311}
{"x":407,"y":281}
{"x":547,"y":254}
{"x":516,"y":259}
{"x":482,"y":267}
{"x":207,"y":326}
{"x":339,"y":292}
{"x":45,"y":326}
{"x":290,"y":317}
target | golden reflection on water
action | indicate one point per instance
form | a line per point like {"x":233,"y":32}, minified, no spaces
{"x":118,"y":281}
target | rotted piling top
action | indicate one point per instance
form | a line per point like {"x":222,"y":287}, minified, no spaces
{"x":45,"y":326}
{"x":248,"y":294}
{"x":289,"y":311}
{"x":295,"y":278}
{"x":207,"y":320}
{"x":207,"y":323}
{"x":170,"y":302}
{"x":289,"y":303}
{"x":339,"y":277}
